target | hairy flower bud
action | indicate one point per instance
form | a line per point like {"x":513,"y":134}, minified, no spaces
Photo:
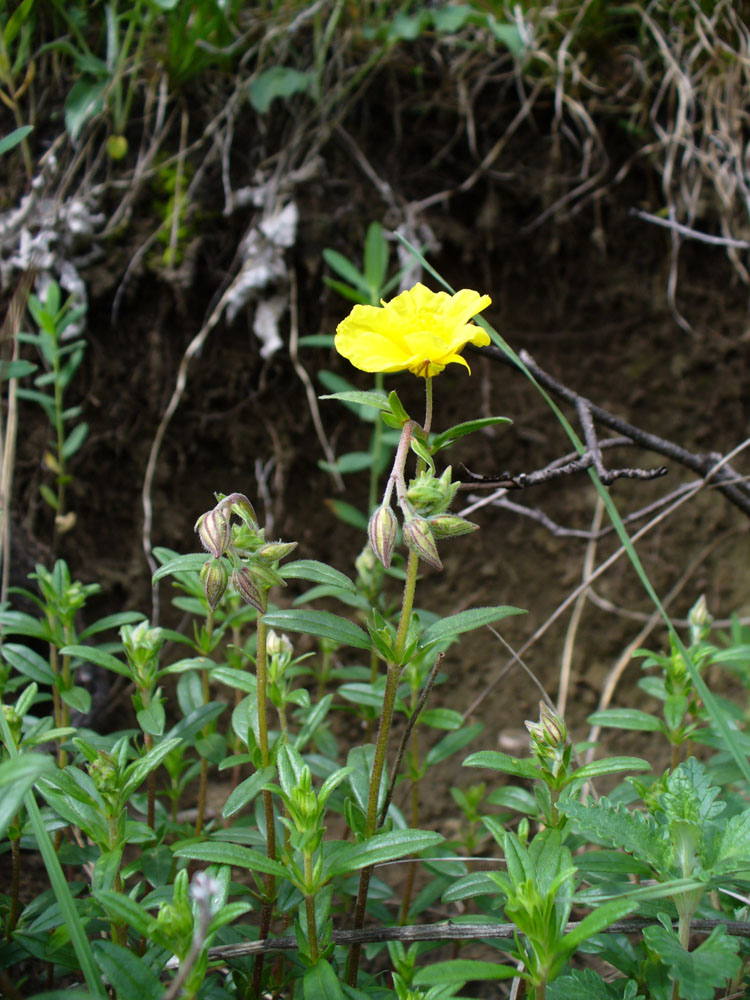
{"x":382,"y":529}
{"x":278,"y":643}
{"x":451,"y":525}
{"x":274,"y":551}
{"x":699,"y":619}
{"x":419,"y":539}
{"x":214,"y":578}
{"x":237,"y":503}
{"x":214,"y":531}
{"x":243,"y":583}
{"x":548,"y":736}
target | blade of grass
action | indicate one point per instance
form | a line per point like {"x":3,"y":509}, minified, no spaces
{"x":710,"y":702}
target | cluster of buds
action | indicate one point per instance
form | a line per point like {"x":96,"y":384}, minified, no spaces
{"x":241,"y":548}
{"x":425,"y":509}
{"x":142,"y":643}
{"x":548,"y":738}
{"x":104,"y":773}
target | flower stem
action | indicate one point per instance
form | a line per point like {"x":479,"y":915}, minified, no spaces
{"x":267,"y":907}
{"x":389,"y":700}
{"x":428,"y":405}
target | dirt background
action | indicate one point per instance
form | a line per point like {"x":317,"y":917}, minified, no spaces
{"x":585,"y":292}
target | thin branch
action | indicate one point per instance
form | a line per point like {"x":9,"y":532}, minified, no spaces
{"x":693,"y":234}
{"x":453,"y":932}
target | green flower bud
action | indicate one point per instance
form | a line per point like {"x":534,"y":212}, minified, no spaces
{"x":276,"y":644}
{"x":103,"y":772}
{"x":699,"y":620}
{"x":244,"y":584}
{"x":451,"y":525}
{"x":431,"y":495}
{"x":382,"y":530}
{"x":548,"y":736}
{"x":214,"y":531}
{"x":214,"y":577}
{"x":419,"y":539}
{"x":274,"y":551}
{"x":14,"y":721}
{"x":238,"y":504}
{"x":177,"y":923}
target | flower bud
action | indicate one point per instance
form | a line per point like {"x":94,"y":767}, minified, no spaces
{"x":274,"y":551}
{"x":214,"y":531}
{"x":239,"y":504}
{"x":451,"y":525}
{"x":549,"y":735}
{"x":419,"y":539}
{"x":214,"y":577}
{"x":382,"y":529}
{"x":431,"y":495}
{"x":699,"y":619}
{"x":15,"y":722}
{"x":243,"y":583}
{"x":276,"y":644}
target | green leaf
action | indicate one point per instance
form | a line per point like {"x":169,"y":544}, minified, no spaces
{"x":378,"y":400}
{"x":85,"y":100}
{"x":381,"y":848}
{"x":611,"y":765}
{"x":28,"y":662}
{"x":111,"y":621}
{"x":313,"y":718}
{"x":321,"y":983}
{"x":14,"y":369}
{"x":137,"y":772}
{"x":626,"y":718}
{"x":278,"y":81}
{"x":74,"y":440}
{"x":317,"y":572}
{"x":352,"y":461}
{"x":125,"y":910}
{"x":345,"y":269}
{"x":452,"y":743}
{"x":449,"y":20}
{"x":469,"y":886}
{"x":698,"y":973}
{"x":441,"y":718}
{"x":17,"y":623}
{"x":586,"y":983}
{"x":92,"y":654}
{"x":462,"y":970}
{"x":347,"y":513}
{"x":217,"y":853}
{"x":466,"y":621}
{"x":190,"y":562}
{"x":77,"y":698}
{"x":521,"y":767}
{"x":128,"y":974}
{"x":152,"y":719}
{"x":508,"y":34}
{"x":321,"y":623}
{"x":17,"y":776}
{"x":635,"y":832}
{"x":247,"y":790}
{"x":447,"y":438}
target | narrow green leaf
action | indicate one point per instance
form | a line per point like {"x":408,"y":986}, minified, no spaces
{"x":462,"y":970}
{"x":626,"y":718}
{"x":611,"y":765}
{"x":521,"y":767}
{"x":188,"y":563}
{"x":347,"y":513}
{"x":278,"y":81}
{"x":217,"y":853}
{"x":74,"y":440}
{"x":446,"y":438}
{"x":466,"y":621}
{"x":382,"y":848}
{"x":247,"y":790}
{"x":452,"y":743}
{"x":14,"y":369}
{"x":92,"y":654}
{"x":345,"y":269}
{"x":317,"y":572}
{"x":137,"y":772}
{"x":321,"y":623}
{"x":375,"y":399}
{"x":17,"y":776}
{"x":111,"y":621}
{"x":28,"y":662}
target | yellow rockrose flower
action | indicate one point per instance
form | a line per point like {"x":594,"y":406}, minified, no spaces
{"x":419,"y":330}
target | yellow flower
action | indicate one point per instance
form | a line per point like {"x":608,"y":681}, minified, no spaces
{"x":419,"y":330}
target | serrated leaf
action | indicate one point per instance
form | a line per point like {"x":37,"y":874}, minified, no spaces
{"x":579,"y":983}
{"x":733,"y":844}
{"x":321,"y":623}
{"x":466,"y":621}
{"x":635,"y":832}
{"x":698,"y":973}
